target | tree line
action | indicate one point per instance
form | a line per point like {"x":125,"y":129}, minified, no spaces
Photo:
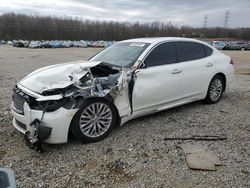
{"x":33,"y":27}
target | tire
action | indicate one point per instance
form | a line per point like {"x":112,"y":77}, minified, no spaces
{"x":215,"y":90}
{"x":94,"y":120}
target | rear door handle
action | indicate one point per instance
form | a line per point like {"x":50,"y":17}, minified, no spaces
{"x":209,"y":65}
{"x":176,"y":71}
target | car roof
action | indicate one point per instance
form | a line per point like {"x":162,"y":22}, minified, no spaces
{"x":156,"y":40}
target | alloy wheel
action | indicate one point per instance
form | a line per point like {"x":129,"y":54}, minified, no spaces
{"x":95,"y":119}
{"x":215,"y":90}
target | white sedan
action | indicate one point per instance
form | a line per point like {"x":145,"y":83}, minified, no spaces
{"x":129,"y":79}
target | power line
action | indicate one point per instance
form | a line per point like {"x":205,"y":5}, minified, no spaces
{"x":205,"y":21}
{"x":227,"y":13}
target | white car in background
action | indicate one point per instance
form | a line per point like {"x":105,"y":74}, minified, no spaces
{"x":219,"y":45}
{"x":34,"y":44}
{"x":129,"y":79}
{"x":9,"y":42}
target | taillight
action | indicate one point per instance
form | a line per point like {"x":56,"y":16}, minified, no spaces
{"x":231,"y":62}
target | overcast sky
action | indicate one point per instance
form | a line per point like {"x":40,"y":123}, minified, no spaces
{"x":179,"y":12}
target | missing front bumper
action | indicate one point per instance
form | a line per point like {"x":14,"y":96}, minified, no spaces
{"x":36,"y":135}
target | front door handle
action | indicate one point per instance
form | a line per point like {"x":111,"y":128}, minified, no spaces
{"x":209,"y":65}
{"x":176,"y":71}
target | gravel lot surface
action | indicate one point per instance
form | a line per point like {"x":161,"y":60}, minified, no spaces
{"x":136,"y":154}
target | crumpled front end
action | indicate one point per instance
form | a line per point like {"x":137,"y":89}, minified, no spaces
{"x":57,"y":121}
{"x":44,"y":113}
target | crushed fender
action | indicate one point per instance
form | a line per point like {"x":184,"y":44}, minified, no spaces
{"x":112,"y":83}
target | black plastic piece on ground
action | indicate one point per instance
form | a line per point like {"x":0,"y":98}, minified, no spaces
{"x":199,"y":138}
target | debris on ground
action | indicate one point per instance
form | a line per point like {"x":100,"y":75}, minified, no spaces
{"x":199,"y":157}
{"x":197,"y":137}
{"x":88,"y":165}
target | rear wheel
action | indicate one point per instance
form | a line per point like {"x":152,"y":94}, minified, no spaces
{"x":215,"y":90}
{"x":94,"y":120}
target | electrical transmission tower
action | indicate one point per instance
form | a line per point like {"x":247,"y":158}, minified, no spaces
{"x":205,"y":21}
{"x":227,"y":13}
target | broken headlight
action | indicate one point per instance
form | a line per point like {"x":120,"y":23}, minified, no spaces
{"x":61,"y":91}
{"x":50,"y":106}
{"x":47,"y":106}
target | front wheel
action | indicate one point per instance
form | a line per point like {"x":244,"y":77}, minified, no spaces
{"x":94,"y":120}
{"x":215,"y":90}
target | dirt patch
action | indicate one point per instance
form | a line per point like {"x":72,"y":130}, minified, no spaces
{"x":117,"y":171}
{"x":2,"y":154}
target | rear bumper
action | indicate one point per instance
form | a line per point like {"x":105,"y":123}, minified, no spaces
{"x":230,"y":75}
{"x":59,"y":121}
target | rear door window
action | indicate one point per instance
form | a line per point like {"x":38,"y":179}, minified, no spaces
{"x":187,"y":51}
{"x":163,"y":54}
{"x":208,"y":50}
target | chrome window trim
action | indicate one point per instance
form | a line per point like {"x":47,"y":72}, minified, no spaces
{"x":163,"y":42}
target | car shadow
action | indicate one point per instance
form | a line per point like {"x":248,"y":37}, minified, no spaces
{"x":164,"y":113}
{"x":73,"y":142}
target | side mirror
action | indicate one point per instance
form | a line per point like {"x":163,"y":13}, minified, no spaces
{"x":143,"y":65}
{"x":137,"y":70}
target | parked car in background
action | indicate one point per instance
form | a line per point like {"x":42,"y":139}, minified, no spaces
{"x":129,"y":79}
{"x":246,"y":46}
{"x":82,"y":44}
{"x":3,"y":42}
{"x":220,"y":45}
{"x":34,"y":44}
{"x":55,"y":44}
{"x":236,"y":46}
{"x":74,"y":44}
{"x":26,"y":43}
{"x":9,"y":42}
{"x":45,"y":44}
{"x":59,"y":43}
{"x":19,"y":43}
{"x":66,"y":44}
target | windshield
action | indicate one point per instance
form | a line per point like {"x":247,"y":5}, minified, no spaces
{"x":122,"y":54}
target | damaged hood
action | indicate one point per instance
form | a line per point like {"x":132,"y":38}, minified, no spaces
{"x":56,"y":76}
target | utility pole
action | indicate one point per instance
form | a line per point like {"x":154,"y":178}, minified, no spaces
{"x":205,"y":21}
{"x":227,"y":13}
